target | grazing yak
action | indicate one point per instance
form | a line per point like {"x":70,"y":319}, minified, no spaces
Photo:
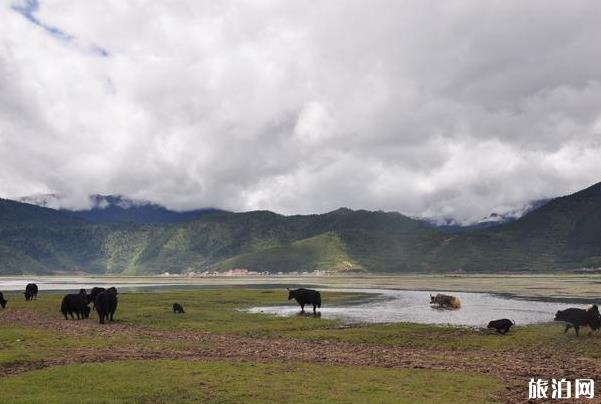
{"x":2,"y":300}
{"x":502,"y":326}
{"x":305,"y":296}
{"x":178,"y":308}
{"x":445,"y":301}
{"x":580,"y":318}
{"x":75,"y":303}
{"x":106,"y":304}
{"x":31,"y":291}
{"x":92,"y":296}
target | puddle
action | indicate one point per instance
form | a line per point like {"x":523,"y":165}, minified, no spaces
{"x":393,"y":306}
{"x":386,"y":305}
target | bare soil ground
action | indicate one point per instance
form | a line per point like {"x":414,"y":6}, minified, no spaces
{"x":514,"y":368}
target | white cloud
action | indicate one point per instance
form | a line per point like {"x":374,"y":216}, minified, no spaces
{"x":456,"y":108}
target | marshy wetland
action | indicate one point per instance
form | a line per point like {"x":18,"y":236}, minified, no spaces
{"x":222,"y":350}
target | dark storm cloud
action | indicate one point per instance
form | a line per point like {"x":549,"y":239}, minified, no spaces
{"x":444,"y":109}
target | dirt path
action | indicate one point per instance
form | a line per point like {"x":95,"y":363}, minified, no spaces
{"x":514,"y":368}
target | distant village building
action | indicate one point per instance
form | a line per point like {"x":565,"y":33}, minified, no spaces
{"x":236,"y":272}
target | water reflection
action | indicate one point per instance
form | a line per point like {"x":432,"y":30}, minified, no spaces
{"x":389,"y":306}
{"x":386,"y":305}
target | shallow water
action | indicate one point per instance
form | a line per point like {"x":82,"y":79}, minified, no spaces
{"x":393,"y":306}
{"x":385,"y":305}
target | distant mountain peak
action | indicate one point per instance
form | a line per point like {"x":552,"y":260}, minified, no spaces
{"x":341,"y":211}
{"x":117,"y":209}
{"x":494,"y":219}
{"x":121,"y":201}
{"x":43,"y":200}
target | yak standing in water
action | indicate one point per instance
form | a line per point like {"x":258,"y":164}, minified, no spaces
{"x":106,"y":304}
{"x":305,"y":296}
{"x":2,"y":300}
{"x":31,"y":291}
{"x":445,"y":301}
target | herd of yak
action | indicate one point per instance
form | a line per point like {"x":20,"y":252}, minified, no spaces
{"x":104,"y":302}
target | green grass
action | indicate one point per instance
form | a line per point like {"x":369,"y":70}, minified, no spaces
{"x":219,"y":311}
{"x":549,"y":338}
{"x":222,"y":311}
{"x":214,"y":310}
{"x":224,"y":381}
{"x":22,"y":344}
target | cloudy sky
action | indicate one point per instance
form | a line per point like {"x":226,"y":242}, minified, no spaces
{"x":431,"y":108}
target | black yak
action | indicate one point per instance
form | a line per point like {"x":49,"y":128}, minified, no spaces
{"x":305,"y":296}
{"x":31,"y":291}
{"x":2,"y":300}
{"x":580,"y":318}
{"x":445,"y":301}
{"x":502,"y":326}
{"x":106,"y":304}
{"x":93,"y":294}
{"x":178,"y":308}
{"x":75,"y":303}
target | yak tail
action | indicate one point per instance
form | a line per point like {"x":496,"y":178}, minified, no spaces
{"x":318,"y":300}
{"x":455,"y":302}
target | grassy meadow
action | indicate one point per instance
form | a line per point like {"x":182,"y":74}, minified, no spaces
{"x":150,"y":354}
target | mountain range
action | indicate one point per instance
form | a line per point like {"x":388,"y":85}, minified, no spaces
{"x":106,"y":209}
{"x":117,"y":236}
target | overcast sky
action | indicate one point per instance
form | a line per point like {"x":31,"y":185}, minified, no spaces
{"x":431,"y":108}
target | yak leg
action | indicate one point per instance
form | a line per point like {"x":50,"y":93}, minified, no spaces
{"x":71,"y":314}
{"x":112,"y":312}
{"x":302,"y":307}
{"x":314,"y":310}
{"x":577,"y":329}
{"x":568,"y":326}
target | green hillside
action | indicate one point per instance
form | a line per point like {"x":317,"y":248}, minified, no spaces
{"x":564,"y":233}
{"x":324,"y":252}
{"x":337,"y":241}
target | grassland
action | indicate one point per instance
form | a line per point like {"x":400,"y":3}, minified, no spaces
{"x":216,"y":352}
{"x":221,"y":381}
